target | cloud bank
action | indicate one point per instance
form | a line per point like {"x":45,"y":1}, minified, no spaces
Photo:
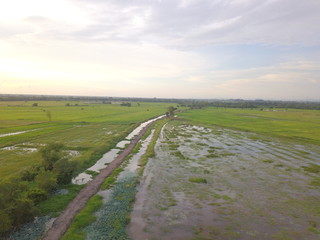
{"x":182,"y":48}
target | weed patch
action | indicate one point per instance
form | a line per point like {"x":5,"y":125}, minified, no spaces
{"x":312,"y":168}
{"x":197,"y":180}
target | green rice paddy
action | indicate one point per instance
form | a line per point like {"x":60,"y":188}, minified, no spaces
{"x":296,"y":124}
{"x":89,"y":128}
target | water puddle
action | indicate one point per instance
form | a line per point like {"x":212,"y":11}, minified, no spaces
{"x":122,"y":144}
{"x":142,"y":125}
{"x":108,"y":157}
{"x":16,"y":133}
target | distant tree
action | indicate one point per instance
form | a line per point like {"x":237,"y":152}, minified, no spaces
{"x":49,"y":115}
{"x":126,"y":104}
{"x":170,"y":111}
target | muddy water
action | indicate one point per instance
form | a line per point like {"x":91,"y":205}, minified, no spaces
{"x":256,"y":188}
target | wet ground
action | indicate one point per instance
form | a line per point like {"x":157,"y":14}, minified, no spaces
{"x":214,"y":183}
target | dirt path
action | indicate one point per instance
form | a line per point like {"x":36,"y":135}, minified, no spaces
{"x":62,"y":223}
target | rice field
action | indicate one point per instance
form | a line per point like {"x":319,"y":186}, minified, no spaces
{"x":88,"y":128}
{"x":209,"y":182}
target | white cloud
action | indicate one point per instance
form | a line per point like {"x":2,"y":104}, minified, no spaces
{"x":150,"y":47}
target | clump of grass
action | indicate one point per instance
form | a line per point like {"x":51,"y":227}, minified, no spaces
{"x":202,"y":144}
{"x":280,"y":165}
{"x":173,"y":146}
{"x":268,"y":161}
{"x":136,"y":148}
{"x":211,"y":155}
{"x":197,"y":180}
{"x":225,"y":154}
{"x":109,"y":181}
{"x":92,"y":173}
{"x":312,"y":168}
{"x":315,"y":182}
{"x":83,"y":219}
{"x":178,"y":154}
{"x":57,"y":203}
{"x":150,"y":150}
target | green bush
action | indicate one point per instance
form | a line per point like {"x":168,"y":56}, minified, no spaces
{"x":37,"y":195}
{"x":6,"y":222}
{"x":46,"y":180}
{"x":63,"y":169}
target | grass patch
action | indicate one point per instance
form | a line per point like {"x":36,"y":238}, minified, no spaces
{"x":109,"y":181}
{"x":312,"y":168}
{"x":114,"y":215}
{"x":211,"y":155}
{"x":197,"y":180}
{"x":57,"y":203}
{"x":150,"y":150}
{"x":302,"y":125}
{"x":84,"y":218}
{"x":92,"y":173}
{"x":178,"y":154}
{"x":315,"y":182}
{"x":268,"y":161}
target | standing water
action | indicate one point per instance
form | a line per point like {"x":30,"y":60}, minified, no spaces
{"x":108,"y":157}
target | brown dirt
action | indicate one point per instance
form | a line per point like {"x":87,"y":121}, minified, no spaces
{"x":62,"y":223}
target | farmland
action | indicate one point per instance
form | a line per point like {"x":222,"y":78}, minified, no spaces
{"x":211,"y":173}
{"x":211,"y":182}
{"x":87,"y":128}
{"x":290,"y":123}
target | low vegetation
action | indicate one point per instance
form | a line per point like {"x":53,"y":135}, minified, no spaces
{"x":197,"y":180}
{"x":302,"y":125}
{"x":83,"y":219}
{"x":150,"y":150}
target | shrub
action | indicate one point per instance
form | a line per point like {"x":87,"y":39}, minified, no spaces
{"x":6,"y":222}
{"x":37,"y":195}
{"x":47,"y":181}
{"x":63,"y":169}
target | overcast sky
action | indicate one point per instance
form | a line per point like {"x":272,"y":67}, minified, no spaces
{"x":161,"y":48}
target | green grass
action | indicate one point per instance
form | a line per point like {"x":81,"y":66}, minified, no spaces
{"x":150,"y":150}
{"x":197,"y":180}
{"x":55,"y":204}
{"x":84,"y":218}
{"x":292,"y":123}
{"x":312,"y":168}
{"x":109,"y":181}
{"x":90,"y":128}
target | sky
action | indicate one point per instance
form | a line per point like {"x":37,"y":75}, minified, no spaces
{"x":217,"y":49}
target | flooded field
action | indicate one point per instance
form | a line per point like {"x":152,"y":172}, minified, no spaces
{"x":216,"y":183}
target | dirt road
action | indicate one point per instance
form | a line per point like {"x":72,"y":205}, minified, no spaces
{"x":62,"y":223}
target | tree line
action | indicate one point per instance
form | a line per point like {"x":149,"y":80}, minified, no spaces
{"x":254,"y":104}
